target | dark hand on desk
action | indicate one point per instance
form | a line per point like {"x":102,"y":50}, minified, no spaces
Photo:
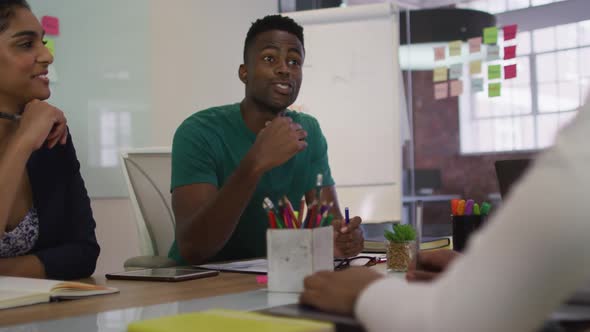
{"x":337,"y":292}
{"x":432,"y":264}
{"x":348,"y":239}
{"x":278,"y":142}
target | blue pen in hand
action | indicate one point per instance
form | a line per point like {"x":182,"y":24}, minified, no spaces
{"x":346,"y":215}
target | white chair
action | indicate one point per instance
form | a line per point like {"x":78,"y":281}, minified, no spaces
{"x":147,"y":173}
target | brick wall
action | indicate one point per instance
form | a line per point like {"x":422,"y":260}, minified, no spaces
{"x":436,"y":146}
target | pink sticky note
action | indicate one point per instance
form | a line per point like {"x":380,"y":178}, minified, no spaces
{"x":441,"y":90}
{"x":509,"y":71}
{"x":262,"y":279}
{"x":50,"y":25}
{"x":510,"y":31}
{"x":456,"y":88}
{"x":439,"y":53}
{"x":474,"y":45}
{"x":509,"y":52}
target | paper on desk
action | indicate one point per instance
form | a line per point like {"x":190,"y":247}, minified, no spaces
{"x":249,"y":266}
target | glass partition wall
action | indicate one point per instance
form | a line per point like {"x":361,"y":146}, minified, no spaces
{"x":454,"y":139}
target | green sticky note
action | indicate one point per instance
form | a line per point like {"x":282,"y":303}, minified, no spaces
{"x":50,"y":44}
{"x":494,"y":89}
{"x":490,"y":35}
{"x":494,"y":72}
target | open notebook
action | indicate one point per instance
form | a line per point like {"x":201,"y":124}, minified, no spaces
{"x":16,"y":292}
{"x":427,"y":243}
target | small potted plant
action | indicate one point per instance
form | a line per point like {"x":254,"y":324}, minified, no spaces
{"x":400,"y":247}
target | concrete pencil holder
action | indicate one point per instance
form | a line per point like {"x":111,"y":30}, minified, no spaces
{"x":294,"y":254}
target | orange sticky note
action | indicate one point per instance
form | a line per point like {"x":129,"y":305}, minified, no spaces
{"x":509,"y":71}
{"x":509,"y":52}
{"x":510,"y":31}
{"x":456,"y":88}
{"x":439,"y":53}
{"x":474,"y":44}
{"x":441,"y":90}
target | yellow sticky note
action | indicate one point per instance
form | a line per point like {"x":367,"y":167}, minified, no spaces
{"x":227,"y":320}
{"x":440,"y":74}
{"x":490,"y":35}
{"x":494,"y":72}
{"x":455,"y":48}
{"x":50,"y":44}
{"x":494,"y":89}
{"x":475,"y":67}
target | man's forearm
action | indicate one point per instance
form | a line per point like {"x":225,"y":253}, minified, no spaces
{"x":212,"y":225}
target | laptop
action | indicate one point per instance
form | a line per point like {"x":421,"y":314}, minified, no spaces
{"x":508,"y":173}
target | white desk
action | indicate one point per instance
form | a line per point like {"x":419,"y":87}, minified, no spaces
{"x":99,"y":320}
{"x":117,"y":320}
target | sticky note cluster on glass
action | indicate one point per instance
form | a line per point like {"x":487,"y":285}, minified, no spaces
{"x":510,"y":50}
{"x":441,"y":74}
{"x":475,"y":64}
{"x":495,"y":71}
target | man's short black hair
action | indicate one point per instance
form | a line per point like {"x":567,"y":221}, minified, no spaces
{"x":273,"y":22}
{"x":7,"y":10}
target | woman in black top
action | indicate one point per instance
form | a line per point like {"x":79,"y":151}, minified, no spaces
{"x":46,"y":224}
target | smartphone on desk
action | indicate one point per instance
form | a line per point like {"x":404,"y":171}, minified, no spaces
{"x":163,"y":274}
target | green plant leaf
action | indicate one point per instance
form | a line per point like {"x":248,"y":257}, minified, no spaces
{"x":401,"y":233}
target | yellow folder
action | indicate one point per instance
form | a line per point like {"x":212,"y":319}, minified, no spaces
{"x":218,"y":320}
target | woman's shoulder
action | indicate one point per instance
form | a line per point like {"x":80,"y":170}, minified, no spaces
{"x":60,"y":159}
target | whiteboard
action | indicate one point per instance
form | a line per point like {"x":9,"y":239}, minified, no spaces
{"x":129,"y":72}
{"x":351,"y":80}
{"x":103,"y":83}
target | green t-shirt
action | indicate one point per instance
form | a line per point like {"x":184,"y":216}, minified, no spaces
{"x":208,"y":147}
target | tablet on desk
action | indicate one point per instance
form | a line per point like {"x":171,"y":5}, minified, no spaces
{"x":163,"y":274}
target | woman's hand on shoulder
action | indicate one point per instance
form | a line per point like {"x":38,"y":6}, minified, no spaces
{"x":40,"y":123}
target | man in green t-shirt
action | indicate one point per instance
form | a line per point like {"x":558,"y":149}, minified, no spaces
{"x":227,"y":159}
